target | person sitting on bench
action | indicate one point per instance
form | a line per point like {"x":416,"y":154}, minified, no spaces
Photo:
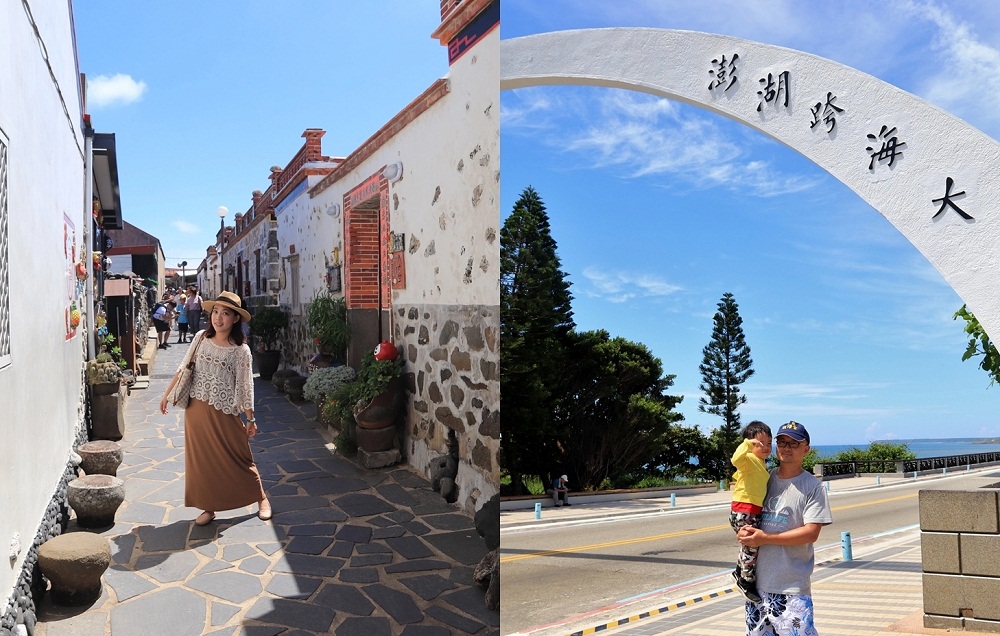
{"x":560,"y":490}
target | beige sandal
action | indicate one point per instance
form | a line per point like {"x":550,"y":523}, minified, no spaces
{"x":264,"y":511}
{"x":205,"y":518}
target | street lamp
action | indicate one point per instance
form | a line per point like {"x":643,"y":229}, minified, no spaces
{"x":222,"y":212}
{"x":183,"y":265}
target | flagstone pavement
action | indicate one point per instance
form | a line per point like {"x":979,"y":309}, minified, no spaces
{"x":349,"y":551}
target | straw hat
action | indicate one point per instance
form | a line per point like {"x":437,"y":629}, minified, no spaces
{"x":229,"y":301}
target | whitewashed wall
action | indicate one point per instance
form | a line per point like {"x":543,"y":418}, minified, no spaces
{"x":447,"y":206}
{"x":304,"y":223}
{"x":41,"y":390}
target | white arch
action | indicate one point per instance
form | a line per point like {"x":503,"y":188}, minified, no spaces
{"x":937,"y":147}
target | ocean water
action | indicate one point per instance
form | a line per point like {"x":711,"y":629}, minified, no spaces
{"x":924,"y":448}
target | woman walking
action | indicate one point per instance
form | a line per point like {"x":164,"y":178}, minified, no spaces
{"x":219,"y":467}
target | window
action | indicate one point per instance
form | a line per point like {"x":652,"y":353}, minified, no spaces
{"x":258,"y":282}
{"x":4,"y":260}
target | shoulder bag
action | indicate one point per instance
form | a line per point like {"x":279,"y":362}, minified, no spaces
{"x":181,"y":394}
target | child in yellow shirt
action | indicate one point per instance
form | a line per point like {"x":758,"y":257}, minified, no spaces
{"x":748,"y":498}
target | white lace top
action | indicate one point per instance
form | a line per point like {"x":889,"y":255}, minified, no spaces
{"x":223,"y":376}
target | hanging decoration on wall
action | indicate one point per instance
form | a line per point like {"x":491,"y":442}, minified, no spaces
{"x":73,"y":287}
{"x":333,"y":270}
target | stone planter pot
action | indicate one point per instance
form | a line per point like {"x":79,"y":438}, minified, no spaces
{"x":100,"y":457}
{"x":107,"y":413}
{"x":95,"y":499}
{"x":383,"y":410}
{"x":105,"y":388}
{"x":376,"y":430}
{"x":267,"y":363}
{"x":74,"y":563}
{"x":293,"y":388}
{"x":375,"y":440}
{"x":279,"y":377}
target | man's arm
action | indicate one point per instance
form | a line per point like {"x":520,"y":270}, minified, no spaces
{"x":755,"y":537}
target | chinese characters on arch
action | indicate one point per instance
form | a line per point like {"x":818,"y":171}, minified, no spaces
{"x":883,"y":146}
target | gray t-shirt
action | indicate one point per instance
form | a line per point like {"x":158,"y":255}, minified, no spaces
{"x":790,"y":503}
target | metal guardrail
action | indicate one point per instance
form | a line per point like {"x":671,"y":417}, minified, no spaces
{"x":836,"y":469}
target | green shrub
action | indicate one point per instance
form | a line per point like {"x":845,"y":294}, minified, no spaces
{"x":326,"y":382}
{"x":267,"y":324}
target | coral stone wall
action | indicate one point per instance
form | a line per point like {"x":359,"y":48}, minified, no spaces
{"x":452,"y":376}
{"x":960,"y":551}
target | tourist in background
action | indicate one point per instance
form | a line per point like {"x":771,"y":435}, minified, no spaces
{"x":194,"y":310}
{"x":182,"y":321}
{"x":560,"y":491}
{"x":219,"y":467}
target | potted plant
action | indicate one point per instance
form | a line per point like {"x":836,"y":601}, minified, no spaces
{"x":327,"y":323}
{"x":107,"y":412}
{"x":267,"y":324}
{"x":324,"y":383}
{"x":103,"y":374}
{"x":372,"y":401}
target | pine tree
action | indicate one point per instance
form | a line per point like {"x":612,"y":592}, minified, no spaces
{"x":535,"y":320}
{"x":726,"y":364}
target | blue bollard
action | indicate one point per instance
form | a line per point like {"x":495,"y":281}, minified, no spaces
{"x":914,"y":475}
{"x":827,"y":484}
{"x":538,"y":511}
{"x":944,"y":471}
{"x":878,"y":480}
{"x":721,"y":487}
{"x":966,"y":467}
{"x":845,"y":546}
{"x":673,"y":500}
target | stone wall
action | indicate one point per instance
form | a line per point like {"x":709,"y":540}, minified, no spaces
{"x":960,"y":549}
{"x":452,"y":376}
{"x":21,"y":612}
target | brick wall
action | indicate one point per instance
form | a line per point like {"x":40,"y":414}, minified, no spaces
{"x":960,"y":550}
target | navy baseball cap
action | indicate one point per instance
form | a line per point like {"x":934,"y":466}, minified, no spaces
{"x":795,"y":431}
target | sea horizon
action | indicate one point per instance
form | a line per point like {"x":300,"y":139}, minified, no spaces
{"x":923,"y":447}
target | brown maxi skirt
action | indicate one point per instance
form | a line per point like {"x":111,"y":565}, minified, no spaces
{"x":219,"y":467}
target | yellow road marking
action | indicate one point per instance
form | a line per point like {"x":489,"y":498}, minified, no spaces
{"x":668,"y":535}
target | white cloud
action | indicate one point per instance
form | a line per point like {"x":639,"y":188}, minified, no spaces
{"x":967,"y":78}
{"x":620,"y":287}
{"x":185,"y":227}
{"x":647,"y":137}
{"x":116,"y":90}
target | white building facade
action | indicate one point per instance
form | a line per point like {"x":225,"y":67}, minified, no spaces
{"x":405,"y":227}
{"x":45,"y":222}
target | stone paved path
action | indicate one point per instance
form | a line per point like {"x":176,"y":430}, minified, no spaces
{"x":348,"y":551}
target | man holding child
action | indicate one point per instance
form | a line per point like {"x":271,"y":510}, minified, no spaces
{"x":795,"y":509}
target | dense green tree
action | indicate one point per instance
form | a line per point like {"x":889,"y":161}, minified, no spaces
{"x":675,"y":461}
{"x":726,"y":365}
{"x":535,"y":321}
{"x":980,"y":345}
{"x":613,"y":411}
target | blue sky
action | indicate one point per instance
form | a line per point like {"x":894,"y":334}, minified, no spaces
{"x":204,"y":97}
{"x":660,"y":208}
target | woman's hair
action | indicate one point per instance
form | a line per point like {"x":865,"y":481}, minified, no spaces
{"x":755,"y":428}
{"x":235,"y":334}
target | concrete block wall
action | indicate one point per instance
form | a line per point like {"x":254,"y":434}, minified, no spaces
{"x":960,"y":553}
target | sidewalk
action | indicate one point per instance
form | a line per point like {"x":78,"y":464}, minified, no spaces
{"x":349,"y":551}
{"x":586,"y":506}
{"x":878,"y":593}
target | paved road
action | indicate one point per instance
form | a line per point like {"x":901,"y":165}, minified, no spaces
{"x":594,"y":562}
{"x":349,"y":551}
